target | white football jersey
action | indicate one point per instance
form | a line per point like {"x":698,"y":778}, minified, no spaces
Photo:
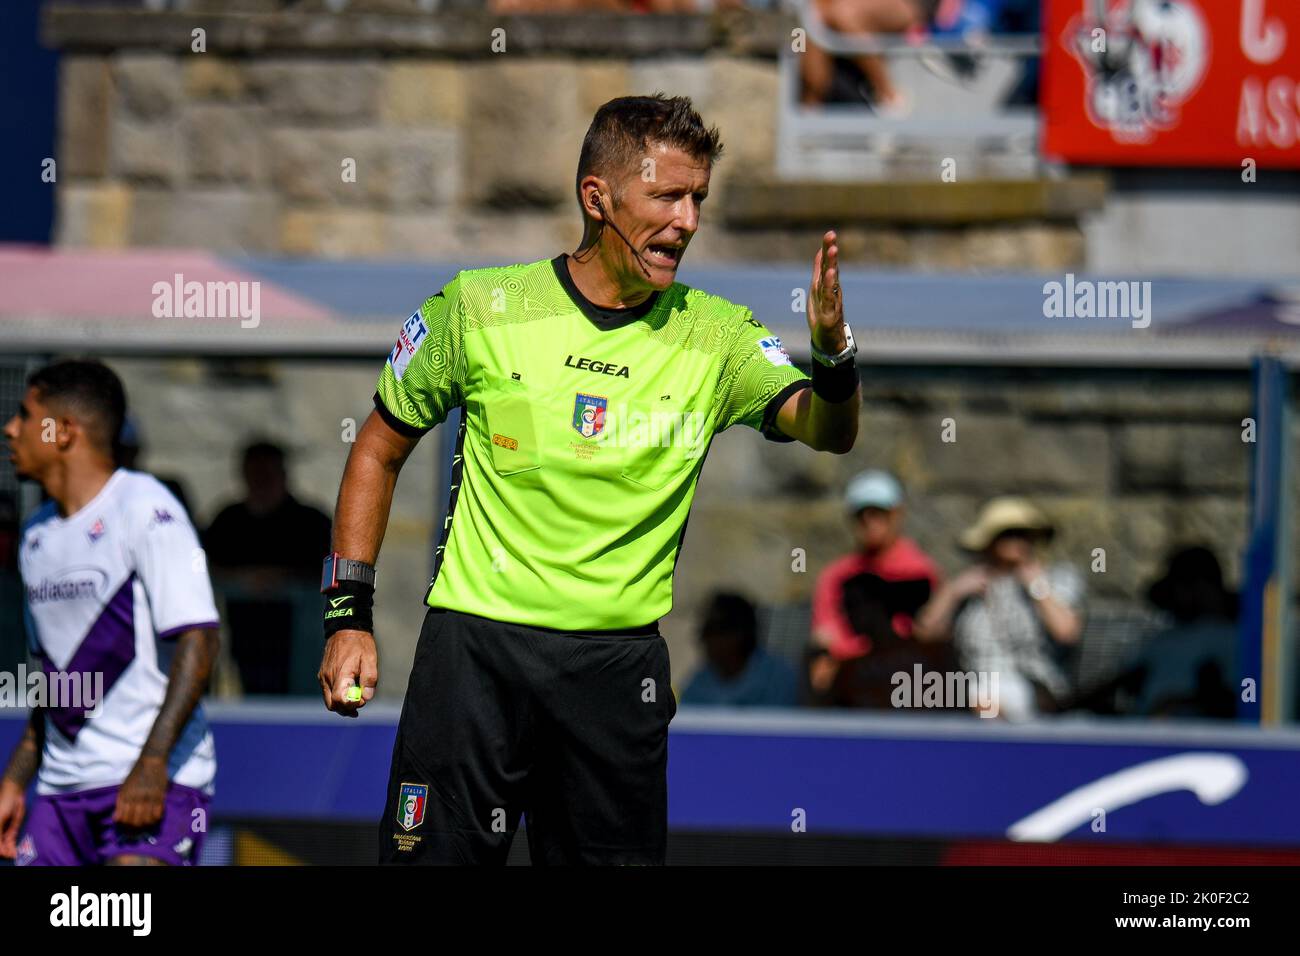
{"x":106,"y":588}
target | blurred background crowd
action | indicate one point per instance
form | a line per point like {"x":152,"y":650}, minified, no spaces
{"x":884,"y":610}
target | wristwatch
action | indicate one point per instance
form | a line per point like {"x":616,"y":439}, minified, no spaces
{"x":338,"y":569}
{"x":850,"y":350}
{"x":1039,"y":588}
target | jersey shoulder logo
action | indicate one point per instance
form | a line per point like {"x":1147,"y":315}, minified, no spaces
{"x":589,"y":414}
{"x":97,"y":531}
{"x":774,"y":351}
{"x":408,"y":342}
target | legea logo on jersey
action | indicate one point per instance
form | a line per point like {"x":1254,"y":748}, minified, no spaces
{"x":596,"y":365}
{"x":66,"y":691}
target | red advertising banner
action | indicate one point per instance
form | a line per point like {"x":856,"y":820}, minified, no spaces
{"x":1172,"y":82}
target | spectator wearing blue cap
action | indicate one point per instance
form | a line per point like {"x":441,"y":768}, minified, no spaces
{"x":865,"y":603}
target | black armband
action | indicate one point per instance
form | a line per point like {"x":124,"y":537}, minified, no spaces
{"x":349,"y":607}
{"x":836,"y":383}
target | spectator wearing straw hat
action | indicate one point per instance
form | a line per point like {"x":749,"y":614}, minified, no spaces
{"x":1009,"y":614}
{"x":864,"y":602}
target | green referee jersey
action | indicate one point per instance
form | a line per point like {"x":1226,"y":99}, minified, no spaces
{"x":582,"y":436}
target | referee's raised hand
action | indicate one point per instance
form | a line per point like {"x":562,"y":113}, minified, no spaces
{"x":350,"y":660}
{"x":825,"y":305}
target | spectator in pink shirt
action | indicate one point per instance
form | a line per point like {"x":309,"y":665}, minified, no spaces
{"x":865,"y":602}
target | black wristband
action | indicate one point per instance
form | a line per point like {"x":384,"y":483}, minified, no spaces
{"x":834,"y":383}
{"x":349,"y":607}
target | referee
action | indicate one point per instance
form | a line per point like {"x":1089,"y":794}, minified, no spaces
{"x":590,"y":385}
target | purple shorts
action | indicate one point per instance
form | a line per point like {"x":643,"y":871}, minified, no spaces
{"x":77,"y":829}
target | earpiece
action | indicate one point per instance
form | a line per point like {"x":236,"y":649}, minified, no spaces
{"x":606,"y":218}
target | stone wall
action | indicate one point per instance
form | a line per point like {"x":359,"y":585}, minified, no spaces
{"x":461,"y":152}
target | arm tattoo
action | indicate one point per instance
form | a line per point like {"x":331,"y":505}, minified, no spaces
{"x":191,"y":667}
{"x":26,"y":759}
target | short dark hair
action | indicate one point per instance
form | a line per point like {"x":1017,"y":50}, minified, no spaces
{"x":731,"y":613}
{"x":91,"y":391}
{"x":624,"y":129}
{"x":264,"y":449}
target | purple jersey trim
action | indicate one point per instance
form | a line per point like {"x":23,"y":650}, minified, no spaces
{"x":178,"y":631}
{"x":108,"y":648}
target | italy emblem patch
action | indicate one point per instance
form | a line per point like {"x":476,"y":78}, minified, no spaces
{"x":589,"y":414}
{"x":411,"y":801}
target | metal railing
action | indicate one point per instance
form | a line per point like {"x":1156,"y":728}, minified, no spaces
{"x":850,"y":141}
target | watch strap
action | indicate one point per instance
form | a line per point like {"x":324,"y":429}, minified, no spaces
{"x":338,"y":569}
{"x":850,"y":349}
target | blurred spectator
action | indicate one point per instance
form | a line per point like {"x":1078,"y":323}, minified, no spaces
{"x":737,"y":672}
{"x":1190,"y":670}
{"x":975,"y":21}
{"x":827,"y":78}
{"x":130,"y":454}
{"x":862,"y":18}
{"x":1008,"y":614}
{"x":9,"y":533}
{"x":865,"y":602}
{"x":257,"y":547}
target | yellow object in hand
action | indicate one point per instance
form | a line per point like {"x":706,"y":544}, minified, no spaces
{"x":353,"y":695}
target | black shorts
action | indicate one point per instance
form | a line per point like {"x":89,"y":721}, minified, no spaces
{"x":568,"y":729}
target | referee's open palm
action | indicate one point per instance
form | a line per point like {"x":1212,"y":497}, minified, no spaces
{"x":350,"y":660}
{"x":825,"y":306}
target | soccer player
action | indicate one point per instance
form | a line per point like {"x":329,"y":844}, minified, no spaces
{"x":118,"y":600}
{"x":590,"y":387}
